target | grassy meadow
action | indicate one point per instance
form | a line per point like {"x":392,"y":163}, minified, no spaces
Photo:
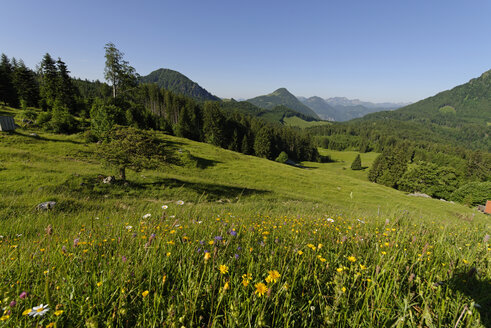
{"x":228,"y":240}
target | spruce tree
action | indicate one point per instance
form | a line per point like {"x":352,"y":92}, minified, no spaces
{"x":26,"y":84}
{"x":213,"y":124}
{"x":263,"y":145}
{"x":66,"y":92}
{"x":8,"y":93}
{"x":356,"y":165}
{"x":49,"y":80}
{"x":118,"y":72}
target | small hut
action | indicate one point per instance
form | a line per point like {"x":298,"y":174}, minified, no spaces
{"x":7,"y":123}
{"x":487,"y":209}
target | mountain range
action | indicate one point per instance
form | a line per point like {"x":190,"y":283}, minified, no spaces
{"x":344,"y":109}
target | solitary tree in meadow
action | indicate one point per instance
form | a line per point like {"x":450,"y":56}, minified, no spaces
{"x":356,"y":165}
{"x":133,"y":149}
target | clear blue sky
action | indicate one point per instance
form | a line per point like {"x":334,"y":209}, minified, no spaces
{"x":391,"y":50}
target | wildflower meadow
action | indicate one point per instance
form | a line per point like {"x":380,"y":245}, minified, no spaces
{"x":166,"y":268}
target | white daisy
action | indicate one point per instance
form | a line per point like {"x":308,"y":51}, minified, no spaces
{"x":146,"y":216}
{"x":164,"y":207}
{"x":180,"y":202}
{"x":39,"y":310}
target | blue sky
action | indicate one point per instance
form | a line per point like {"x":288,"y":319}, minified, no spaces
{"x":372,"y":50}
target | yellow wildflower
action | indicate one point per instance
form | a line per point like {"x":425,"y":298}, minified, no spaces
{"x":223,"y":269}
{"x":145,"y":293}
{"x":207,"y":256}
{"x":273,"y":276}
{"x":351,"y":258}
{"x":261,"y":289}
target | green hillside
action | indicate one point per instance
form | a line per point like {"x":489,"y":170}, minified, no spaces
{"x":283,"y":97}
{"x":458,"y":116}
{"x":36,"y":169}
{"x":177,"y":83}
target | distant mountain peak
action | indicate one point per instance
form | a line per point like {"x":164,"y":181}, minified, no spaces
{"x":178,"y":83}
{"x":283,"y":97}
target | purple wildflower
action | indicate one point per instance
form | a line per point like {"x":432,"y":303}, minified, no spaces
{"x":218,"y":238}
{"x":23,"y":295}
{"x":124,"y":258}
{"x":233,"y":232}
{"x":236,"y":256}
{"x":12,"y":304}
{"x":75,"y":242}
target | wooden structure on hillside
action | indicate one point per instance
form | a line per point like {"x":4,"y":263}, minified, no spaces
{"x":7,"y":123}
{"x":487,"y":210}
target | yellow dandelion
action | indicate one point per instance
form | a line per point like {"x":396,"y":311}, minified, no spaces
{"x":299,"y":252}
{"x":207,"y":256}
{"x":227,"y":286}
{"x":99,"y":284}
{"x":164,"y":278}
{"x":261,"y":289}
{"x":245,"y":282}
{"x":223,"y":269}
{"x":51,"y":325}
{"x":343,"y":289}
{"x":339,"y":270}
{"x":362,"y":267}
{"x":58,"y":313}
{"x":4,"y":317}
{"x":145,"y":293}
{"x":352,"y":259}
{"x":383,"y":253}
{"x":26,"y":312}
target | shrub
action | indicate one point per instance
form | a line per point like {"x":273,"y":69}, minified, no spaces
{"x":473,"y":193}
{"x":282,"y":158}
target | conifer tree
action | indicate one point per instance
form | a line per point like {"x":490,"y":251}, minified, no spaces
{"x":263,"y":145}
{"x":66,"y":91}
{"x":213,"y":124}
{"x":118,"y":72}
{"x":356,"y":165}
{"x":49,"y":80}
{"x":8,"y":94}
{"x":26,"y":84}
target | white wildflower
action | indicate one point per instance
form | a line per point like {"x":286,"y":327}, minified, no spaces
{"x":39,"y":310}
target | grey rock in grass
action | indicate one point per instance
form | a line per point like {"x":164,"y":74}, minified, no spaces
{"x":46,"y":206}
{"x":419,"y":194}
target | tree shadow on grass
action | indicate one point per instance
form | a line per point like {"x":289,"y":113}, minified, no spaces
{"x":213,"y":191}
{"x":37,"y":137}
{"x":479,"y":290}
